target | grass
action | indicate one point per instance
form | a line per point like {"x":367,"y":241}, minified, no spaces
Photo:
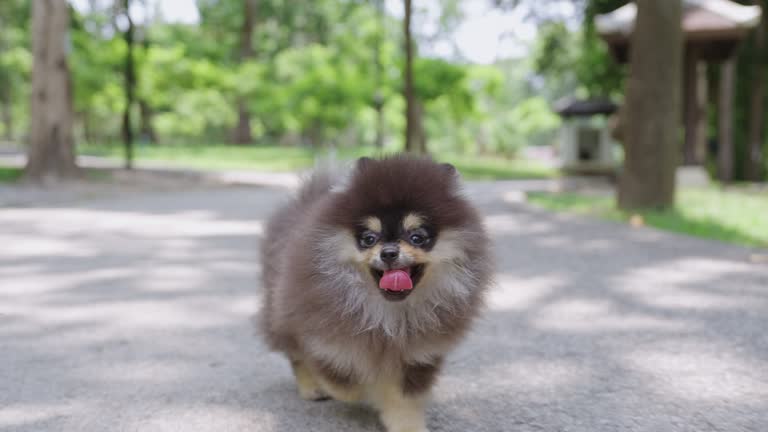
{"x":733,"y":215}
{"x":10,"y":174}
{"x":486,"y":168}
{"x":275,"y":159}
{"x":14,"y":174}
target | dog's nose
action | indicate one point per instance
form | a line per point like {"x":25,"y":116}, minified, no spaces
{"x":389,"y":254}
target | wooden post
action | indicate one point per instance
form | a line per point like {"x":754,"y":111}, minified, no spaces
{"x":130,"y":86}
{"x":694,"y":151}
{"x":753,"y":163}
{"x":702,"y":103}
{"x":725,"y":121}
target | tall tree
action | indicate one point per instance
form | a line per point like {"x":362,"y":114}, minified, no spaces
{"x":754,"y":157}
{"x":725,"y":153}
{"x":129,"y":71}
{"x":146,"y":128}
{"x":413,"y":141}
{"x":242,"y":133}
{"x":653,"y":106}
{"x":378,"y":97}
{"x":51,"y":144}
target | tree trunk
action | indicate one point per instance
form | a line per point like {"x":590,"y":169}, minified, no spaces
{"x":87,"y":130}
{"x":6,"y":105}
{"x":147,"y":131}
{"x":379,"y":107}
{"x":51,"y":152}
{"x":754,"y":160}
{"x":725,"y":121}
{"x":242,"y":133}
{"x":146,"y":128}
{"x":130,"y":86}
{"x":653,"y":107}
{"x":412,"y":142}
{"x":420,"y":135}
{"x":695,"y":81}
{"x":378,"y":97}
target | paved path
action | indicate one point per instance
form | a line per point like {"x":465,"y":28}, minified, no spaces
{"x":132,"y":314}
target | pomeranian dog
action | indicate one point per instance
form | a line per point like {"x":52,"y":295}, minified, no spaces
{"x":371,"y":281}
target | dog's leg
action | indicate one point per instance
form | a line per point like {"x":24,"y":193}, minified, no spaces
{"x":402,"y":402}
{"x":400,"y":412}
{"x":342,"y":386}
{"x":309,"y":388}
{"x":343,"y":393}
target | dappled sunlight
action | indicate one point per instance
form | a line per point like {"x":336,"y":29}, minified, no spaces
{"x":226,"y":418}
{"x":51,"y":283}
{"x":155,"y":326}
{"x":157,"y":315}
{"x":696,"y":373}
{"x":582,"y":315}
{"x":159,"y":372}
{"x":550,"y":375}
{"x":503,"y":224}
{"x":25,"y":247}
{"x":22,"y":415}
{"x":192,"y":224}
{"x":690,"y":270}
{"x":511,"y":292}
{"x":683,"y":284}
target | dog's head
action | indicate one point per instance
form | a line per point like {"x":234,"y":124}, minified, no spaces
{"x":403,"y":222}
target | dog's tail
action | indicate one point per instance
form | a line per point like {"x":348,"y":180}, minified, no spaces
{"x":314,"y":186}
{"x":328,"y":174}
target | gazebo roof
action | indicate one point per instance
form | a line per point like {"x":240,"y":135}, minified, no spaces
{"x":701,"y":18}
{"x":715,"y":26}
{"x":571,"y":107}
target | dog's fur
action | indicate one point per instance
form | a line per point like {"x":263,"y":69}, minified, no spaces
{"x":324,"y":309}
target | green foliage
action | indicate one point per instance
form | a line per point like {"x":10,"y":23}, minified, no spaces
{"x":15,"y":57}
{"x":578,"y":62}
{"x":532,"y":120}
{"x":10,"y":174}
{"x":436,"y":78}
{"x":319,"y":89}
{"x":98,"y":87}
{"x":281,"y":158}
{"x":312,"y":80}
{"x":598,"y":72}
{"x":555,"y":53}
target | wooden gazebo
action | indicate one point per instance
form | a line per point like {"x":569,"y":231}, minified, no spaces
{"x":713,"y":30}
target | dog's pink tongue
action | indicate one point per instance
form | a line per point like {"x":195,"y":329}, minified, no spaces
{"x":396,"y":280}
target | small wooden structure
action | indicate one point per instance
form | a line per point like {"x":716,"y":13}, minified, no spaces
{"x":713,"y":30}
{"x":586,"y":145}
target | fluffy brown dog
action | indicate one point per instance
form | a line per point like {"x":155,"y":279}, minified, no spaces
{"x":370,"y":283}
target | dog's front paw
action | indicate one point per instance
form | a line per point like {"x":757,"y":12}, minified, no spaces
{"x":417,"y":429}
{"x":405,"y":424}
{"x":313,"y":394}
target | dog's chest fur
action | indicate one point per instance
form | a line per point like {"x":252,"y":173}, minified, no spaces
{"x":370,"y":356}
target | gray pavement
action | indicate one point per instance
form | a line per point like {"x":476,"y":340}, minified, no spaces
{"x":132,"y":313}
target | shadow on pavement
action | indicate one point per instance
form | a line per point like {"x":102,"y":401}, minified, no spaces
{"x":135,"y":314}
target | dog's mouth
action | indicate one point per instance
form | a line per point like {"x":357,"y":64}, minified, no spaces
{"x":397,"y":284}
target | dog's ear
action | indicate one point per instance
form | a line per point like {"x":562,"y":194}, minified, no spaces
{"x":363,"y":162}
{"x":449,"y":169}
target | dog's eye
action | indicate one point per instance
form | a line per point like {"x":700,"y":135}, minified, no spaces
{"x":368,"y":239}
{"x":418,"y":239}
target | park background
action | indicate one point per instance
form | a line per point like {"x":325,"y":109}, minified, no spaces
{"x":145,"y":145}
{"x":274,"y":85}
